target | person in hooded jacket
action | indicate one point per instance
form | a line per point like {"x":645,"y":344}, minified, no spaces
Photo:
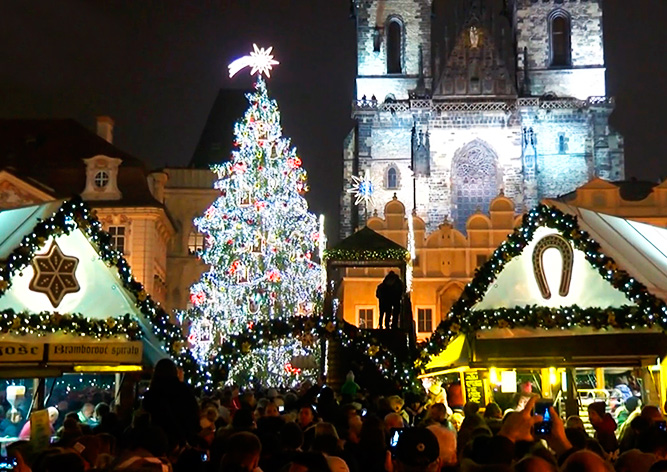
{"x":604,"y":426}
{"x":173,"y":407}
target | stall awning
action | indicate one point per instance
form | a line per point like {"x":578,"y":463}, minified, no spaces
{"x":456,"y":354}
{"x":593,"y":350}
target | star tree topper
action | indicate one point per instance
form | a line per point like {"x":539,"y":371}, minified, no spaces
{"x":260,"y":61}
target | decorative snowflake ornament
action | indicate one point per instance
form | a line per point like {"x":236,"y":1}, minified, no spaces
{"x":363,"y":189}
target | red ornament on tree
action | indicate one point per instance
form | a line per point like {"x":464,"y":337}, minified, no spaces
{"x":273,"y":275}
{"x":197,"y":298}
{"x":294,"y":162}
{"x":240,"y":167}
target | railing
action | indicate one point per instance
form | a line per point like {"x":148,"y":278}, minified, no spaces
{"x":473,"y":106}
{"x":373,"y":105}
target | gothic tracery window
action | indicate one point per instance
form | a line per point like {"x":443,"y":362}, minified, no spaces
{"x":392,"y":178}
{"x":394,"y":46}
{"x":474,"y":181}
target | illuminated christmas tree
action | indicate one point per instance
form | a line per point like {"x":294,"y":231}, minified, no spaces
{"x":261,"y":245}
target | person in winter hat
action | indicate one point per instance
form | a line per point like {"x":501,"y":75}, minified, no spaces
{"x":350,"y":387}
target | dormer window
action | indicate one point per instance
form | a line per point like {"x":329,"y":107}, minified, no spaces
{"x":102,"y":178}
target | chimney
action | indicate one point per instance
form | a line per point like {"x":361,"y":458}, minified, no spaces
{"x":105,"y":128}
{"x":156,"y":182}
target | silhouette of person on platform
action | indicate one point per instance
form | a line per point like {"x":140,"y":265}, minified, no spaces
{"x":389,"y":294}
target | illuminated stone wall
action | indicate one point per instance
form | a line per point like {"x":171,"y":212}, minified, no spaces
{"x":586,"y":76}
{"x":372,"y":17}
{"x":571,"y":139}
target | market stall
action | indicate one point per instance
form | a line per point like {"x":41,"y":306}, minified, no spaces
{"x":573,"y":299}
{"x":68,"y":301}
{"x":368,"y":253}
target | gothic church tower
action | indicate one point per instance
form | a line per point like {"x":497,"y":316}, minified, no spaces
{"x":460,"y":100}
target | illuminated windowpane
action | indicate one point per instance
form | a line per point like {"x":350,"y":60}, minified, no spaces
{"x":195,"y":243}
{"x":117,"y":238}
{"x":424,"y":320}
{"x":366,"y":318}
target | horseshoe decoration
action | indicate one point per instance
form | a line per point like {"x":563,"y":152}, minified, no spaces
{"x":567,"y":254}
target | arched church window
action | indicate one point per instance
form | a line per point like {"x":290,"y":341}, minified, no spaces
{"x":562,"y":143}
{"x":392,"y":178}
{"x":394,"y":46}
{"x":474,"y":181}
{"x":559,"y":24}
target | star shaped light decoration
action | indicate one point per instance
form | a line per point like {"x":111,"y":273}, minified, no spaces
{"x":54,"y":275}
{"x":260,"y":61}
{"x":362,"y":188}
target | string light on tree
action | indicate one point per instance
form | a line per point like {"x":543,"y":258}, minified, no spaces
{"x":260,"y":241}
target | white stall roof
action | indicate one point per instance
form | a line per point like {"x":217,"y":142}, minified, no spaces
{"x":638,"y":248}
{"x":100,"y":294}
{"x":17,"y":222}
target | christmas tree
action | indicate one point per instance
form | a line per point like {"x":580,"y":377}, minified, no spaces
{"x":261,"y":245}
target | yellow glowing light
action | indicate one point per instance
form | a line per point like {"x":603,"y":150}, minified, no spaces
{"x":508,"y":381}
{"x":553,"y":379}
{"x":107,"y":368}
{"x":493,"y":376}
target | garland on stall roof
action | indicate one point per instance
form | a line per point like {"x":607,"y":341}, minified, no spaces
{"x":649,"y":309}
{"x":41,"y":324}
{"x":389,"y":254}
{"x":74,"y":214}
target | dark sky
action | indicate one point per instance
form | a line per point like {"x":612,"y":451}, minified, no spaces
{"x":155,"y":67}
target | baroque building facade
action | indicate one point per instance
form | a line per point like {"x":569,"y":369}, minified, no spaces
{"x":49,"y":159}
{"x":457,"y":101}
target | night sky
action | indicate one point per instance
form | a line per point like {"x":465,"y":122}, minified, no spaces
{"x":155,"y":67}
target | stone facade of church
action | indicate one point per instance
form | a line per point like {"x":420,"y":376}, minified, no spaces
{"x":457,"y":101}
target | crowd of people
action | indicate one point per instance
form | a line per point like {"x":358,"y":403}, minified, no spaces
{"x":315,"y":429}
